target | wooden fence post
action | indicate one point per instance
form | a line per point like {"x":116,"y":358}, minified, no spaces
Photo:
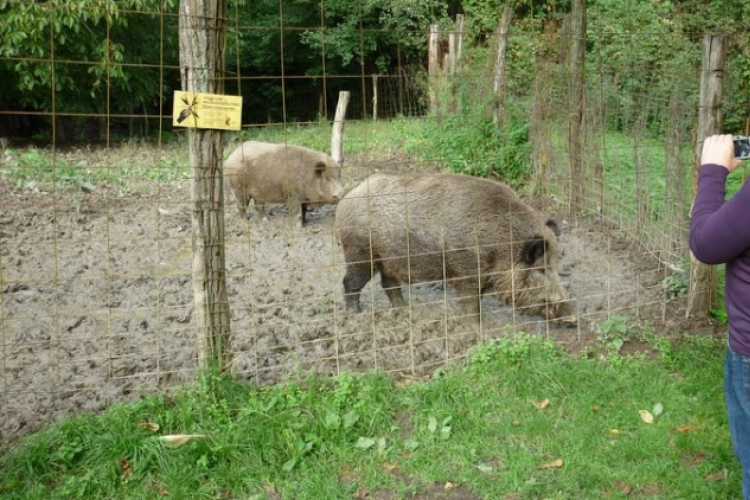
{"x":499,"y":83}
{"x":337,"y":137}
{"x":703,"y":281}
{"x":433,"y":66}
{"x":201,"y":25}
{"x":459,"y":42}
{"x":457,"y":38}
{"x":374,"y":98}
{"x":575,"y":120}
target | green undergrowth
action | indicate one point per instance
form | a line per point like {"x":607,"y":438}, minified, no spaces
{"x":123,"y":167}
{"x":519,"y":419}
{"x":378,"y":138}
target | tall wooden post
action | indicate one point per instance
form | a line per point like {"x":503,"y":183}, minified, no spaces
{"x":201,"y":25}
{"x":459,"y":41}
{"x":499,"y":83}
{"x":452,"y":41}
{"x":575,"y":120}
{"x":703,"y":281}
{"x":433,"y":66}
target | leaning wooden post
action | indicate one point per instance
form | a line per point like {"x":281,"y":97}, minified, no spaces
{"x":575,"y":119}
{"x":201,"y":25}
{"x":337,"y":137}
{"x":374,"y":98}
{"x":703,"y":281}
{"x":499,"y":83}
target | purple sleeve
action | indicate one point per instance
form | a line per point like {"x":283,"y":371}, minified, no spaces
{"x":719,"y":230}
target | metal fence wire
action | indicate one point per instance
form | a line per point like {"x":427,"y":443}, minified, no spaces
{"x":96,"y":234}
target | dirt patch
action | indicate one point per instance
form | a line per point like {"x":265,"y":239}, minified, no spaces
{"x":97,"y":299}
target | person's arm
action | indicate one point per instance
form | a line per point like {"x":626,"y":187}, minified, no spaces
{"x":719,"y":231}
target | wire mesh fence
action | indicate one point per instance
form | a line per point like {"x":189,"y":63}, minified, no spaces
{"x":96,"y":233}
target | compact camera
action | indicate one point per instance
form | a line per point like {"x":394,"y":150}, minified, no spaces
{"x":742,"y":147}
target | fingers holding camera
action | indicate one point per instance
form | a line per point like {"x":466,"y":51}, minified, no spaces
{"x":719,"y":150}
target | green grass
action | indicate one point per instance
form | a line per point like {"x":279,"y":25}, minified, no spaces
{"x":379,"y":138}
{"x":479,"y":426}
{"x":123,"y":167}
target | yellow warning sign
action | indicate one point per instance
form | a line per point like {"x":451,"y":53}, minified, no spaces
{"x":193,"y":109}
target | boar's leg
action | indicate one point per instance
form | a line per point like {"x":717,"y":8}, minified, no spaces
{"x":243,"y":202}
{"x":302,"y":215}
{"x":297,"y":210}
{"x":392,"y":287}
{"x":357,"y":276}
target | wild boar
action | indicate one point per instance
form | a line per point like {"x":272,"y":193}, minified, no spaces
{"x":282,"y":174}
{"x":475,"y":234}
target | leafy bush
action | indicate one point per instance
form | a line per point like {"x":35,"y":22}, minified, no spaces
{"x":511,"y":351}
{"x":467,"y":141}
{"x":614,"y":332}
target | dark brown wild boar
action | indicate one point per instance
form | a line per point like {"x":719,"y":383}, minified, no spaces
{"x":282,"y":174}
{"x":475,"y":234}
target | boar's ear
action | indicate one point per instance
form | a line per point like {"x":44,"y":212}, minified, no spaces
{"x":552,"y":224}
{"x":533,"y":249}
{"x":320,"y":167}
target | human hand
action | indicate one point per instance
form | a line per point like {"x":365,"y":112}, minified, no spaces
{"x":719,"y":150}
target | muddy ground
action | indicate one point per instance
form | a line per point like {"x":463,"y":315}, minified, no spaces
{"x":97,"y":301}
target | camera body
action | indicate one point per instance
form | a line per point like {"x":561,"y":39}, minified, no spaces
{"x":742,"y":147}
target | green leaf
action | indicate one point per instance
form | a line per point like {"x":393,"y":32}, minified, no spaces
{"x":365,"y":443}
{"x":445,"y":432}
{"x":485,"y":468}
{"x":658,"y":409}
{"x":332,"y":421}
{"x":381,"y":445}
{"x":350,"y":419}
{"x":289,"y":465}
{"x":411,"y":444}
{"x":305,"y":447}
{"x":617,"y":344}
{"x":432,"y":424}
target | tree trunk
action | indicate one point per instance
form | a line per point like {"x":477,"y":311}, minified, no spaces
{"x":702,"y":290}
{"x":201,"y":61}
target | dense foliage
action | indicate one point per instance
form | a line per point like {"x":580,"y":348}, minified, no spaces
{"x":98,"y":65}
{"x":290,"y":58}
{"x":317,"y":43}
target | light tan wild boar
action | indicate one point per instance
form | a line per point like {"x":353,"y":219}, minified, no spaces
{"x":475,"y":234}
{"x":282,"y":174}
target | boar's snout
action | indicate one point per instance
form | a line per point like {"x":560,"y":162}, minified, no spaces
{"x":337,"y":192}
{"x":545,"y":295}
{"x":560,"y":307}
{"x":562,"y":314}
